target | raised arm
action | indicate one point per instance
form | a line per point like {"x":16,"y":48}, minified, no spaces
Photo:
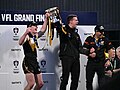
{"x":22,"y":39}
{"x":44,"y":26}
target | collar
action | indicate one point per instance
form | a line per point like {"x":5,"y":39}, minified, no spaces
{"x":71,"y":29}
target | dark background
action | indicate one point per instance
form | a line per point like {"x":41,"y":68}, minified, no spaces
{"x":108,"y":13}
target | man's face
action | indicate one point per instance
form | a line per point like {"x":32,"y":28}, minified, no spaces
{"x":74,"y":22}
{"x":99,"y":34}
{"x":34,"y":29}
{"x":111,"y":53}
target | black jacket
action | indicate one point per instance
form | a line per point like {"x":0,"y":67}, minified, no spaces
{"x":102,"y":46}
{"x":70,"y":43}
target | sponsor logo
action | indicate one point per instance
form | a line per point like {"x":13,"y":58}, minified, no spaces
{"x":15,"y":36}
{"x":43,"y":63}
{"x":16,"y":82}
{"x":43,"y":49}
{"x":16,"y":64}
{"x":15,"y":30}
{"x":88,"y":33}
{"x":45,"y":81}
{"x":43,"y":66}
{"x":15,"y":49}
{"x":43,"y":38}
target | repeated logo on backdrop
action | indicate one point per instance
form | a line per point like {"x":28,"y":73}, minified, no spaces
{"x":43,"y":63}
{"x":16,"y":66}
{"x":15,"y":36}
{"x":16,"y":82}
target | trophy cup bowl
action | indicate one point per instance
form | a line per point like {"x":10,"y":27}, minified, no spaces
{"x":54,"y":14}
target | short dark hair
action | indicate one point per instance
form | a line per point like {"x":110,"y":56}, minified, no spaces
{"x":113,"y":48}
{"x":32,"y":24}
{"x":70,"y":17}
{"x":99,"y":28}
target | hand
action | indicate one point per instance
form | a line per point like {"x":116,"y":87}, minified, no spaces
{"x":108,"y":73}
{"x":47,"y":15}
{"x":92,"y":50}
{"x":28,"y":30}
{"x":107,"y":63}
{"x":93,"y":55}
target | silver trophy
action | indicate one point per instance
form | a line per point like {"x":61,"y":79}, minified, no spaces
{"x":54,"y":21}
{"x":54,"y":14}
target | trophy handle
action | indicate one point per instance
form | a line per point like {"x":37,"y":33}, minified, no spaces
{"x":51,"y":9}
{"x":53,"y":19}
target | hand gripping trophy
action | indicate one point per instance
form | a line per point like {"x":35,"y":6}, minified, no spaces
{"x":54,"y":21}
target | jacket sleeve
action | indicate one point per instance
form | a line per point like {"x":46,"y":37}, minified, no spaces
{"x":86,"y":43}
{"x":108,"y":44}
{"x":82,"y":49}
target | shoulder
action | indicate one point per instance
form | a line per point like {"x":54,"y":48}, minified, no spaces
{"x":118,"y":60}
{"x":27,"y":38}
{"x":90,"y":37}
{"x":66,"y":28}
{"x":105,"y":38}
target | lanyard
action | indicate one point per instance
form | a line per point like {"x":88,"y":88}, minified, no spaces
{"x":114,"y":64}
{"x":35,"y":40}
{"x":98,"y":42}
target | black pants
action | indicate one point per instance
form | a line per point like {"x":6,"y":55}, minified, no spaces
{"x":70,"y":65}
{"x":91,"y":68}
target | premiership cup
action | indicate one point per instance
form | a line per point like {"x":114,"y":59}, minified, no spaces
{"x":54,"y":14}
{"x":54,"y":22}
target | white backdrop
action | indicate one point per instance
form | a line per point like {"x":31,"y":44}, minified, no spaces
{"x":11,"y":56}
